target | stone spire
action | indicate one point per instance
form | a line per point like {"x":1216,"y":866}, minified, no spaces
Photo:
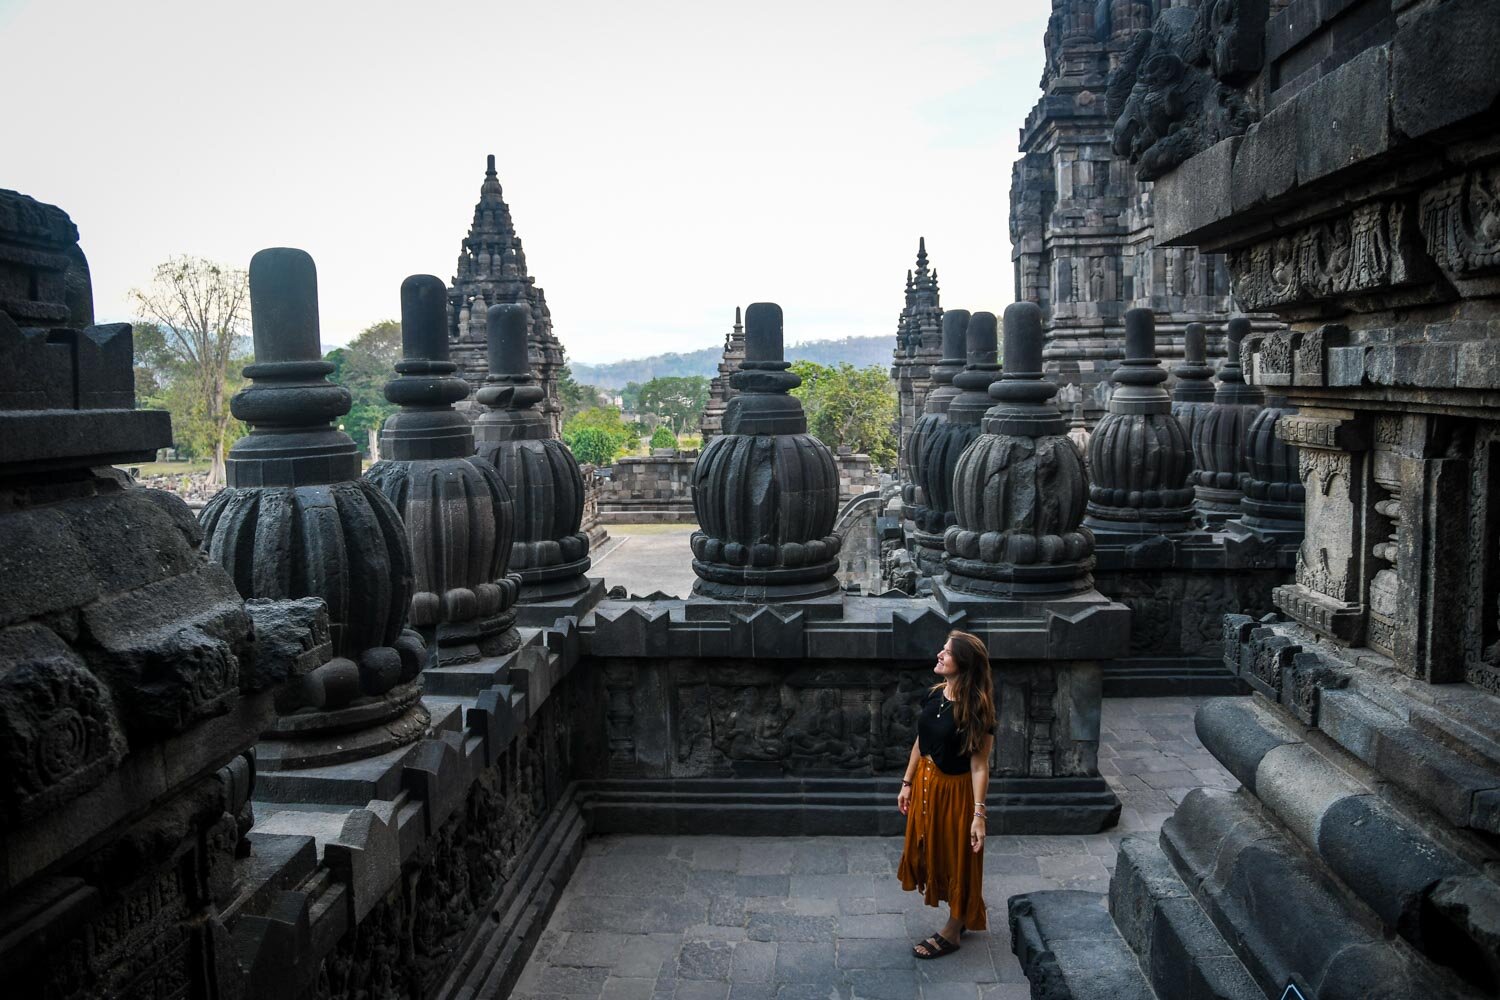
{"x":1218,"y":437}
{"x":492,"y":270}
{"x":550,"y":553}
{"x":1139,"y":456}
{"x":1020,"y":486}
{"x":456,"y":508}
{"x":719,"y":389}
{"x":765,"y":491}
{"x":296,"y":520}
{"x":1193,"y":393}
{"x":936,"y":442}
{"x":919,"y":348}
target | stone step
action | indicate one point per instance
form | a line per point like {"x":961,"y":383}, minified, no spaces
{"x":1070,"y":950}
{"x":1286,"y":918}
{"x":1180,"y":949}
{"x":1393,"y":862}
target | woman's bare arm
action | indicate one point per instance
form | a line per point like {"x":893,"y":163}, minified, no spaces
{"x":979,"y":771}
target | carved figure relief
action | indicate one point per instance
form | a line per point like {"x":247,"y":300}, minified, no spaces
{"x":1369,"y":249}
{"x":1324,"y":561}
{"x":1170,"y":94}
{"x":1460,"y":219}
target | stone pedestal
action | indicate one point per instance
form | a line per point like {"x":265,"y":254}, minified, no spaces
{"x":934,"y":446}
{"x":457,"y":510}
{"x":550,"y":552}
{"x":765,"y":491}
{"x":296,"y":520}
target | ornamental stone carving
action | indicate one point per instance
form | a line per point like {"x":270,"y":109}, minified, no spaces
{"x":934,"y":448}
{"x":456,"y":508}
{"x":549,"y":552}
{"x":1020,"y":485}
{"x":1139,"y":456}
{"x":765,"y":491}
{"x":296,"y":520}
{"x":1218,"y":437}
{"x":1169,"y":95}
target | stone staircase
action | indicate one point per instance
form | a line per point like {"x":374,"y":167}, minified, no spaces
{"x":1357,"y":860}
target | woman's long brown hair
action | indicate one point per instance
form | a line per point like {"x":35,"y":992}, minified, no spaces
{"x":974,"y":708}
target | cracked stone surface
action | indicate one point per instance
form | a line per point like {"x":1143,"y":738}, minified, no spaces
{"x":823,"y":918}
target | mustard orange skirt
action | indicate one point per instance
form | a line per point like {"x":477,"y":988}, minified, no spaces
{"x":936,"y":859}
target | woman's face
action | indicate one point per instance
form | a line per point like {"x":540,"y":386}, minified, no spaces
{"x":946,"y":666}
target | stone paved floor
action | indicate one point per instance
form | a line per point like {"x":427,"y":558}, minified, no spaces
{"x":823,"y":918}
{"x":644,"y":558}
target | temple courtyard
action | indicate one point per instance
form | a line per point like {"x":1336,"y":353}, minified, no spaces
{"x":814,"y":918}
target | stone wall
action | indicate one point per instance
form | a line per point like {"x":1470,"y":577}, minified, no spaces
{"x":658,"y":489}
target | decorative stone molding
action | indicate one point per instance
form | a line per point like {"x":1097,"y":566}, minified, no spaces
{"x":549,"y":552}
{"x":1372,"y":249}
{"x":934,"y":447}
{"x":296,"y":520}
{"x":765,"y":491}
{"x":456,"y":508}
{"x":1139,"y":457}
{"x":1460,"y":220}
{"x":1019,"y":488}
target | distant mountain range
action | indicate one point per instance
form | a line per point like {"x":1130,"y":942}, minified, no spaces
{"x":858,"y":351}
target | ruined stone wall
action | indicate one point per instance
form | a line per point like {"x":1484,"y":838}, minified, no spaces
{"x":658,"y":489}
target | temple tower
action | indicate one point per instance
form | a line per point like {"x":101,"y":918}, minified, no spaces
{"x":719,"y":389}
{"x":1081,"y":222}
{"x":919,"y":346}
{"x":492,"y":271}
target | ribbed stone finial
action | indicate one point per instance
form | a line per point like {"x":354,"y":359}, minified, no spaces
{"x":549,"y":552}
{"x":980,"y":369}
{"x":1020,"y":486}
{"x":1139,"y":456}
{"x":933,"y":448}
{"x":1219,"y":434}
{"x":297,"y":521}
{"x":765,"y":491}
{"x":456,"y":509}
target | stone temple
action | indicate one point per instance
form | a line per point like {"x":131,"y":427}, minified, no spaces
{"x":1215,"y":492}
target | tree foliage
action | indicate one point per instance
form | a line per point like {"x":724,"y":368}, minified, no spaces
{"x":199,"y":307}
{"x":575,"y":396}
{"x":608,"y":435}
{"x":663,"y":438}
{"x":364,"y":367}
{"x":849,"y":406}
{"x":678,"y":400}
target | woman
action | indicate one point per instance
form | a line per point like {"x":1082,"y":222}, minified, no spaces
{"x":942,"y":794}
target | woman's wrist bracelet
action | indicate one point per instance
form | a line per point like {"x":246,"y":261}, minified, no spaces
{"x":905,"y":781}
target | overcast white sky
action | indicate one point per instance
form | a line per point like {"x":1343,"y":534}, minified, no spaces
{"x":664,"y":160}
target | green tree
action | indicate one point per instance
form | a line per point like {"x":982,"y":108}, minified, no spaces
{"x":663,"y":438}
{"x":630,"y":397}
{"x":617,"y":434}
{"x":364,"y":367}
{"x":575,"y":396}
{"x":849,"y":406}
{"x":200,"y":308}
{"x":679,"y":400}
{"x":592,"y":446}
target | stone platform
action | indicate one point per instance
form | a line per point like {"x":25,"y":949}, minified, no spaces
{"x":736,"y":918}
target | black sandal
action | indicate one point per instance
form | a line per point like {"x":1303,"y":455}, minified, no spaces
{"x":936,"y":947}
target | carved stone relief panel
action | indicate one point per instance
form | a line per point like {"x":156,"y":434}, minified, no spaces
{"x":1372,"y":248}
{"x":1327,"y":562}
{"x":1460,"y":219}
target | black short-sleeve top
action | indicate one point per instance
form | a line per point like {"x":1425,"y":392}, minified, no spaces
{"x":938,"y":737}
